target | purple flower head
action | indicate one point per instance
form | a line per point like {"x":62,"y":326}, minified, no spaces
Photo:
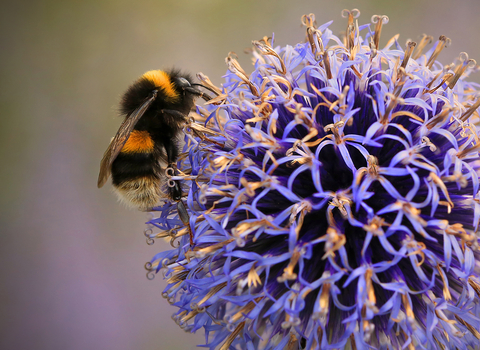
{"x":333,"y":198}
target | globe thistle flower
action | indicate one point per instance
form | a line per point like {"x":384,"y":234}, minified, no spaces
{"x":333,"y":199}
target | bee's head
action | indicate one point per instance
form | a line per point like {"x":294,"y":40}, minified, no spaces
{"x":181,"y":83}
{"x":184,"y":85}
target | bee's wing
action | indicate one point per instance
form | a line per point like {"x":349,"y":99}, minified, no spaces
{"x":119,"y":140}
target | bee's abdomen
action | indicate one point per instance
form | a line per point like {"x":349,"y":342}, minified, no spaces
{"x":136,"y":172}
{"x":132,"y":165}
{"x":139,"y":141}
{"x":141,"y":192}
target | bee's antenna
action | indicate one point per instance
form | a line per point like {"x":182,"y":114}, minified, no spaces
{"x":206,"y":87}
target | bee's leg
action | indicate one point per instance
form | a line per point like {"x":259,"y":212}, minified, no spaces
{"x":175,"y":188}
{"x":204,"y":138}
{"x":174,"y":113}
{"x":172,"y":154}
{"x":183,"y":214}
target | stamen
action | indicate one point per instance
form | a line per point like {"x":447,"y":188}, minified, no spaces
{"x":261,"y":113}
{"x":232,"y":336}
{"x":316,"y":46}
{"x":368,"y":329}
{"x":408,"y":52}
{"x":469,"y":150}
{"x":207,"y":83}
{"x":353,"y":342}
{"x":439,"y":118}
{"x":369,"y":286}
{"x":311,"y":134}
{"x":457,"y":230}
{"x":224,"y":161}
{"x":442,"y":347}
{"x":324,"y":303}
{"x":335,"y":240}
{"x":234,"y":67}
{"x":189,"y":316}
{"x":243,"y":229}
{"x":472,"y":329}
{"x":339,"y":201}
{"x":211,"y":293}
{"x":311,"y":40}
{"x":408,"y":308}
{"x":424,"y":41}
{"x":309,"y":20}
{"x":438,"y":181}
{"x":427,"y":143}
{"x":268,"y":51}
{"x":292,"y":342}
{"x":334,"y":128}
{"x":392,"y":41}
{"x":446,"y":76}
{"x":178,"y":277}
{"x":457,"y":177}
{"x":379,"y":21}
{"x":375,"y":226}
{"x":373,"y":49}
{"x":446,"y":335}
{"x":340,"y":101}
{"x":394,"y":101}
{"x":252,"y":278}
{"x":406,"y":114}
{"x":461,"y":68}
{"x":282,"y":80}
{"x":200,"y":253}
{"x":442,"y":43}
{"x":245,"y":310}
{"x":446,"y":290}
{"x":303,"y":208}
{"x":419,"y":248}
{"x":327,"y":102}
{"x":326,"y":62}
{"x":350,"y":33}
{"x":290,"y":321}
{"x":288,"y":273}
{"x":475,"y":285}
{"x":470,"y":111}
{"x":372,"y":167}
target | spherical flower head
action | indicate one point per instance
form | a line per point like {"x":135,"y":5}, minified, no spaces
{"x":333,"y":199}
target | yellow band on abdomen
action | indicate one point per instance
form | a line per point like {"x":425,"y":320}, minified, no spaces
{"x":138,"y":142}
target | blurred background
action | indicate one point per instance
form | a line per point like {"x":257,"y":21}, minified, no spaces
{"x":71,"y":257}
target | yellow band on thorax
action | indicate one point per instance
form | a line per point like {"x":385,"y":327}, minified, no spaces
{"x":162,"y":80}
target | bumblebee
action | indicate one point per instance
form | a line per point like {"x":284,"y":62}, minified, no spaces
{"x":155,"y":107}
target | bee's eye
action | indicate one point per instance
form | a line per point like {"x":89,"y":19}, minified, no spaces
{"x":182,"y":82}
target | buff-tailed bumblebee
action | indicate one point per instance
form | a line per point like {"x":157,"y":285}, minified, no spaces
{"x":155,"y":107}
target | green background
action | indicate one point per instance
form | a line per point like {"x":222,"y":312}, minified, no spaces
{"x":71,"y":257}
